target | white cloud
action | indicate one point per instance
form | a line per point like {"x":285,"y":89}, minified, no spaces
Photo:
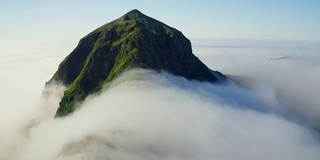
{"x":149,"y":115}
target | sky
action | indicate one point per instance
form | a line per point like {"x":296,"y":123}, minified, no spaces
{"x":238,"y":19}
{"x":272,"y":112}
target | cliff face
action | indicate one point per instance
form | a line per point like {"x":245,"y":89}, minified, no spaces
{"x":133,"y":40}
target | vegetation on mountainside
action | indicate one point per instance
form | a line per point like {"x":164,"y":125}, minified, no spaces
{"x":134,"y":40}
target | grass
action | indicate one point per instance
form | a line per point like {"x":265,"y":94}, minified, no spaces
{"x":113,"y":48}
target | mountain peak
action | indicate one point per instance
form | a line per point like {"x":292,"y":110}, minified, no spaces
{"x":134,"y":15}
{"x":132,"y":41}
{"x":134,"y":12}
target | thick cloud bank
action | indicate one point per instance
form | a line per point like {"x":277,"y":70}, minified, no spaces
{"x":271,"y":113}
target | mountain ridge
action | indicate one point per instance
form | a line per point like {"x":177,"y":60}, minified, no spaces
{"x":131,"y":41}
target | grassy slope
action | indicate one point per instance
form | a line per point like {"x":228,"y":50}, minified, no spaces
{"x":133,"y":40}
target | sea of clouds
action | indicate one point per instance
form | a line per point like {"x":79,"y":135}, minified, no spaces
{"x":271,"y":109}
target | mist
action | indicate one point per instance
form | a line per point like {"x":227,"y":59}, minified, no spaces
{"x":269,"y":110}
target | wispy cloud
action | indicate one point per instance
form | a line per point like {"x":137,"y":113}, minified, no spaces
{"x":149,"y":115}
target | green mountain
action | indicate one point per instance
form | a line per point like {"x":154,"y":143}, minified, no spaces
{"x":133,"y":40}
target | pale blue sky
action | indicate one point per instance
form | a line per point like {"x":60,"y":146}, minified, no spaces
{"x":248,"y":19}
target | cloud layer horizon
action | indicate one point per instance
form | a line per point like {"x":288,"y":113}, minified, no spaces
{"x":271,"y":111}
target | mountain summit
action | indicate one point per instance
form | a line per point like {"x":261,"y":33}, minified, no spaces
{"x":134,"y":40}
